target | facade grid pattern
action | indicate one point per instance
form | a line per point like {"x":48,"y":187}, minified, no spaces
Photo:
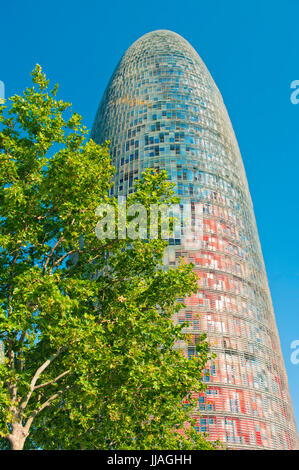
{"x":162,"y":109}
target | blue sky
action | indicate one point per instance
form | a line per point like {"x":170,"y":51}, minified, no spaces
{"x":251,"y":50}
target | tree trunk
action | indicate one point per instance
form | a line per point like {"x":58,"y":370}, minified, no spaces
{"x":18,"y":437}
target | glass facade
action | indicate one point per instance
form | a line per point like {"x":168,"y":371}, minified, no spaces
{"x":162,"y":109}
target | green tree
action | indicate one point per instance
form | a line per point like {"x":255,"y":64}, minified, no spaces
{"x":91,"y":357}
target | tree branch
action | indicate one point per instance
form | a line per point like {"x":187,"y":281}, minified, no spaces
{"x":36,"y":376}
{"x":11,"y":275}
{"x":43,"y":406}
{"x":63,"y":257}
{"x":51,"y":253}
{"x":52,"y":381}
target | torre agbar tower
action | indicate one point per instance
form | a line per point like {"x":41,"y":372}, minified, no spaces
{"x":162,"y":109}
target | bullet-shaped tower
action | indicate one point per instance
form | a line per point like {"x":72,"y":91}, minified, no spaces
{"x":162,"y":109}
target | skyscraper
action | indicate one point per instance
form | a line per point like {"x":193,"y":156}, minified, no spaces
{"x":162,"y":109}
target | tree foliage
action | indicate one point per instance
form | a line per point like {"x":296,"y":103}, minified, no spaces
{"x":90,"y":349}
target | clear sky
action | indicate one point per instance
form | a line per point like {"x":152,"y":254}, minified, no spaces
{"x":252,"y":51}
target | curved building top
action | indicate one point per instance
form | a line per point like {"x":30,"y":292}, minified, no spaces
{"x":153,"y":54}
